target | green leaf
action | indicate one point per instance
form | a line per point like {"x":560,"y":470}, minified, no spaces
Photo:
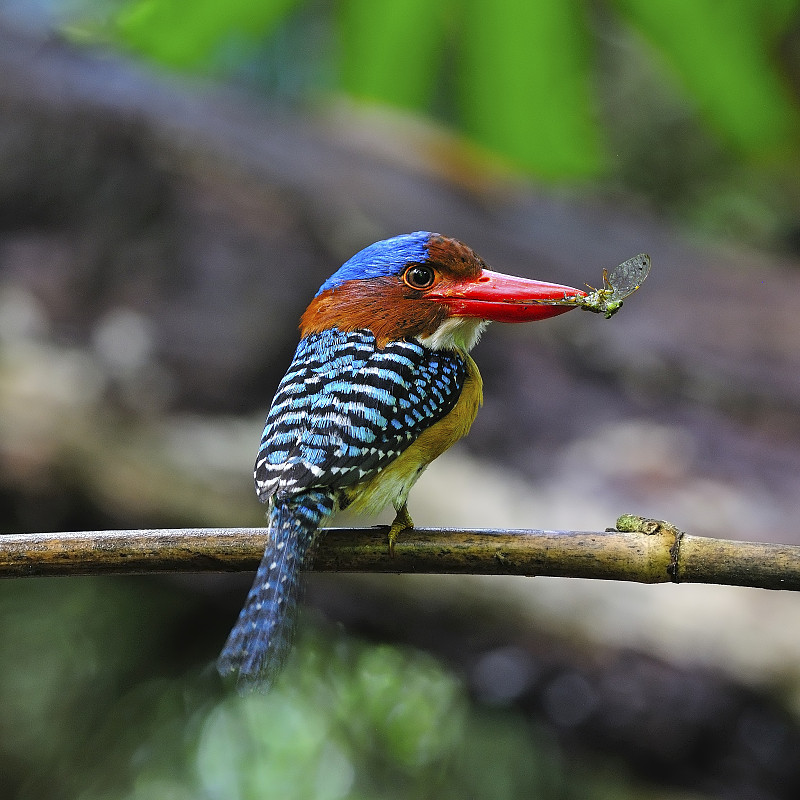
{"x":390,"y":52}
{"x":725,"y":55}
{"x":187,"y":34}
{"x":525,"y":84}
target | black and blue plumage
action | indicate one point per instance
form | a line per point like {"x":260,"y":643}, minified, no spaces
{"x":380,"y":385}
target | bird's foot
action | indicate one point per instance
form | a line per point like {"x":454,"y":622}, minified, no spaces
{"x":402,"y":522}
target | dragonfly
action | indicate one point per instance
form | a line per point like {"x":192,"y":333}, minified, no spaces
{"x":619,"y":283}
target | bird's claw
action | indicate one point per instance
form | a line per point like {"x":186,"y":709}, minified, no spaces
{"x":402,"y":522}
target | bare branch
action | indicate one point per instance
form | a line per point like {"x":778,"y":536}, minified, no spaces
{"x":646,"y":551}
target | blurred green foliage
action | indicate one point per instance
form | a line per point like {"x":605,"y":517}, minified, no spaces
{"x":727,"y":57}
{"x":185,"y":35}
{"x":520,"y":78}
{"x":103,"y":704}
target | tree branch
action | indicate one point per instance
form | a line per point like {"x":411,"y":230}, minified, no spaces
{"x":642,"y":550}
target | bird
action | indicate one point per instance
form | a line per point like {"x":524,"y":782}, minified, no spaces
{"x":381,"y":384}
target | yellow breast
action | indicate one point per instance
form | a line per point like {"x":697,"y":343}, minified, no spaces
{"x":393,"y":483}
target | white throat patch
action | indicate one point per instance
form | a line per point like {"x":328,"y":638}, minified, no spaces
{"x":456,"y":333}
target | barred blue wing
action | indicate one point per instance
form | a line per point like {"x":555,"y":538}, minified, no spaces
{"x":345,"y":409}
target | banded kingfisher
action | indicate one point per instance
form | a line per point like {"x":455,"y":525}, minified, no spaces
{"x":381,"y":384}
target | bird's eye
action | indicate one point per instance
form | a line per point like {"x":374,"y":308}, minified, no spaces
{"x":419,"y":276}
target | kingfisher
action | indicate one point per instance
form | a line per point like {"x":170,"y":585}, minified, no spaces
{"x":380,"y":385}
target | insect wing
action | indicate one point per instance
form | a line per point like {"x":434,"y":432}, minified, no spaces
{"x":628,"y":276}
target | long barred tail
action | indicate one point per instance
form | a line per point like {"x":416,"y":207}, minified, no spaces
{"x":259,"y":643}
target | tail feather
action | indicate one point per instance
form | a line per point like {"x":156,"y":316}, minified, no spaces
{"x":260,"y":641}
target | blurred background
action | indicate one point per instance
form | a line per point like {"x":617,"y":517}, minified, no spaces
{"x":177,"y":179}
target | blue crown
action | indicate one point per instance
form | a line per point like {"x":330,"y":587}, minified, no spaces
{"x":383,"y":258}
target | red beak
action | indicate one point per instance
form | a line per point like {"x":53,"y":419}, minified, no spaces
{"x":504,"y":298}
